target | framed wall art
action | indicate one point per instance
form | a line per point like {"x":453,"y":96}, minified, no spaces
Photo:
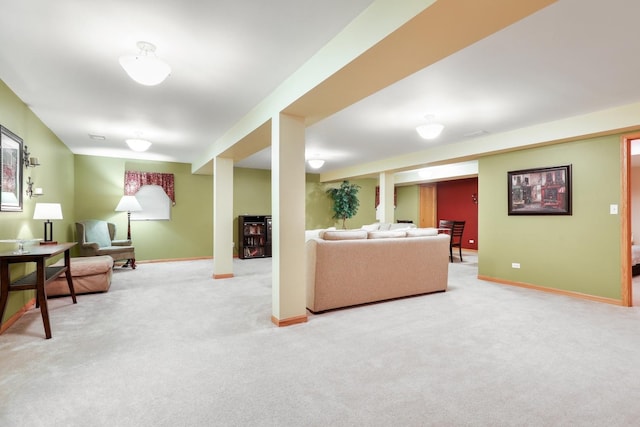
{"x":11,"y":164}
{"x":541,"y":191}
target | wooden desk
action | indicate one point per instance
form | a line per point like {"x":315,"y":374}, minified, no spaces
{"x":38,"y":279}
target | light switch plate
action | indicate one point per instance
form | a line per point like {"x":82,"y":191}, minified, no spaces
{"x":613,"y":209}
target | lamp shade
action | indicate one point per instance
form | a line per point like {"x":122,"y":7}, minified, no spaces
{"x":128,"y":204}
{"x":145,"y":67}
{"x":47,"y":211}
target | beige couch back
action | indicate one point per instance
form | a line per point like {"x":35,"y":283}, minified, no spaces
{"x":342,"y":273}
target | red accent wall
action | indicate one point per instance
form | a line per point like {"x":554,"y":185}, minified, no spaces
{"x":455,"y":202}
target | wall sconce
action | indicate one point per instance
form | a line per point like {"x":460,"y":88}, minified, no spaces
{"x":33,"y":192}
{"x":474,"y":197}
{"x":28,"y":160}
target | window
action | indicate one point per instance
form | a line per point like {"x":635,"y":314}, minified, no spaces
{"x":155,"y":203}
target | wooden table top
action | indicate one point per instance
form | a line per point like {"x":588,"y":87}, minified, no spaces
{"x":37,"y":251}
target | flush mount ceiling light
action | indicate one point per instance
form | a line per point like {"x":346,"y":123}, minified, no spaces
{"x":145,"y":67}
{"x":430,"y":130}
{"x":315,"y":163}
{"x":138,"y":144}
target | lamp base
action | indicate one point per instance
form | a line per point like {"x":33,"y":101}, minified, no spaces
{"x":42,"y":242}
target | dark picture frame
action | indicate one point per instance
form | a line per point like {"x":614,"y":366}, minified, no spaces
{"x":540,"y":191}
{"x":11,"y":154}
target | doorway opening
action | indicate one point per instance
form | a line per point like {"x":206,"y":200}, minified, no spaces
{"x":630,"y":249}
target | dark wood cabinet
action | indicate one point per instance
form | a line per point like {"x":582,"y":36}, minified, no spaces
{"x":254,"y":236}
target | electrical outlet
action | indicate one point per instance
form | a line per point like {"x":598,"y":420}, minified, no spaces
{"x":515,"y":265}
{"x":472,"y":241}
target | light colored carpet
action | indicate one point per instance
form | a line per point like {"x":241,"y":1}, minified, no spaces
{"x":169,"y":346}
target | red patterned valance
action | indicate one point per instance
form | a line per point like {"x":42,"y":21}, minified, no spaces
{"x":133,"y":180}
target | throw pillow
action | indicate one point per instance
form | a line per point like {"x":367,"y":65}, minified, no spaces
{"x":97,"y":232}
{"x":312,"y":234}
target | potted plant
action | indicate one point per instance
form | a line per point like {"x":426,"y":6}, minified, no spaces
{"x":345,"y":201}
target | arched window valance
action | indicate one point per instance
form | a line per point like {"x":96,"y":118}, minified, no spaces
{"x":133,"y":180}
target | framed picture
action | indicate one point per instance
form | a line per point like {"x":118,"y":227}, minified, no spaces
{"x":11,"y":164}
{"x":541,"y":191}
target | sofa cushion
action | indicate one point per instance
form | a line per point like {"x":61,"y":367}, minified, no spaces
{"x":343,"y":234}
{"x":371,"y":227}
{"x":386,"y":234}
{"x":401,"y":226}
{"x":315,"y":234}
{"x":384,"y":226}
{"x":419,"y":232}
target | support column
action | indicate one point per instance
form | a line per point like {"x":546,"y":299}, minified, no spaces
{"x":288,"y":212}
{"x":386,"y":211}
{"x":222,"y":218}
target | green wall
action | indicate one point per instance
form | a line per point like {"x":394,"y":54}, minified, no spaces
{"x":577,"y":253}
{"x":318,"y":210}
{"x":252,"y":196}
{"x":321,"y":208}
{"x":99,"y":185}
{"x":408,"y":206}
{"x":54,"y":176}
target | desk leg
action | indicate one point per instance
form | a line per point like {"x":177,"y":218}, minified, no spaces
{"x":4,"y":287}
{"x":67,"y":262}
{"x":41,"y":278}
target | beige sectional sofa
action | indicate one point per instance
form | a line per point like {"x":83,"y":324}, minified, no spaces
{"x":351,"y":267}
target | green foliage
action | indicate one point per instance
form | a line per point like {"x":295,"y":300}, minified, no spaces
{"x":345,"y":201}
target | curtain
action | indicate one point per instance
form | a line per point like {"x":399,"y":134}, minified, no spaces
{"x":395,"y":196}
{"x":133,"y":180}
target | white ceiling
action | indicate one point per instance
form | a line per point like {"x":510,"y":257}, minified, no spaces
{"x":61,"y":58}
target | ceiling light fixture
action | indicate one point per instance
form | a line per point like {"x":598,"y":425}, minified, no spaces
{"x":139,"y":145}
{"x":315,"y":163}
{"x":145,"y":67}
{"x":430,"y":130}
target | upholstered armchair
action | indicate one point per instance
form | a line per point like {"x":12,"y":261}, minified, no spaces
{"x":96,"y":237}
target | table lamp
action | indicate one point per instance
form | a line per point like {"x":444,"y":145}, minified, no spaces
{"x":48,"y":211}
{"x":128,"y":204}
